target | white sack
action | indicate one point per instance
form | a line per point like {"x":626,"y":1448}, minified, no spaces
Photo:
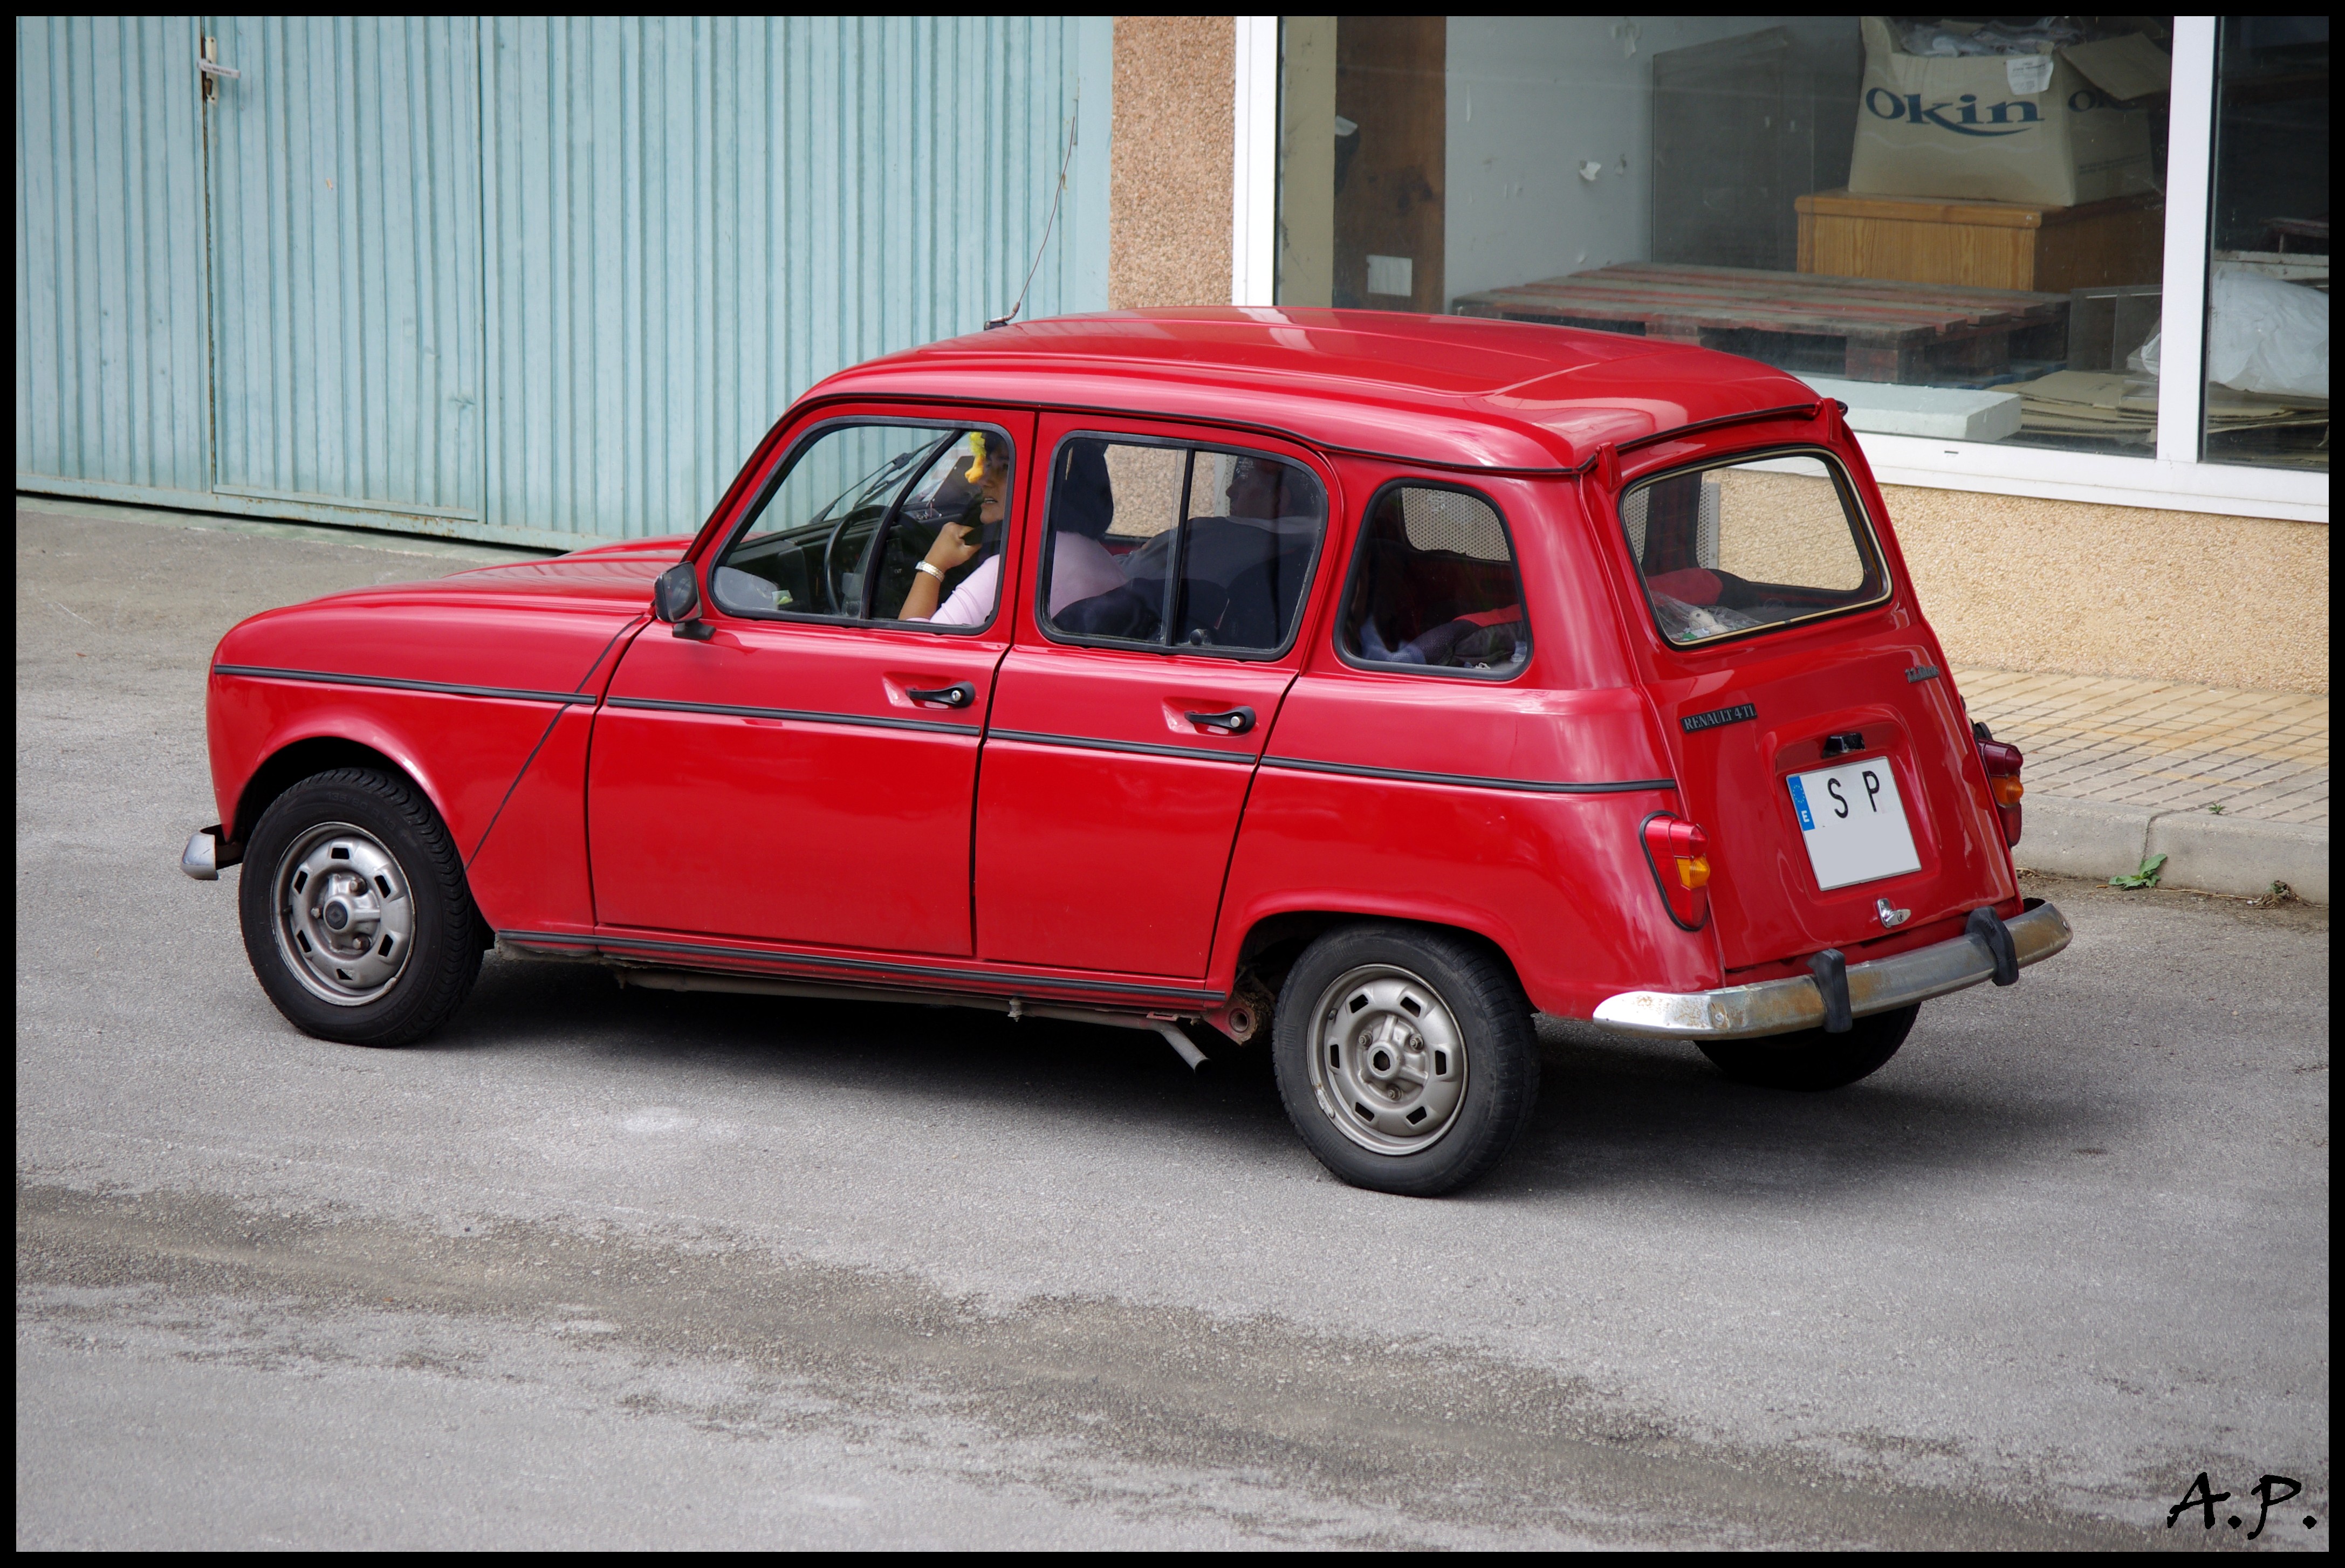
{"x":2267,"y":335}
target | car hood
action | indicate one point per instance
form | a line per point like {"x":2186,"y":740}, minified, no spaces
{"x":533,"y":627}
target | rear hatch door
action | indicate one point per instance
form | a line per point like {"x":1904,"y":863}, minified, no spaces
{"x":1817,"y":740}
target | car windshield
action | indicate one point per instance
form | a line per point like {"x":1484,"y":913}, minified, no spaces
{"x":1733,"y":547}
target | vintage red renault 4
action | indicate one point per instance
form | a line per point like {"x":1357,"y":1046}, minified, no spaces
{"x":1374,"y":681}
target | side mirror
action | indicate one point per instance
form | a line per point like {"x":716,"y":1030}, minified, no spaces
{"x":676,"y":594}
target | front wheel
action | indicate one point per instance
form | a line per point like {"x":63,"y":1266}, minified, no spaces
{"x":356,"y":915}
{"x":1405,"y":1057}
{"x":1812,"y":1060}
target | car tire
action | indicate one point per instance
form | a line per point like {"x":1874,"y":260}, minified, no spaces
{"x":1405,"y":1057}
{"x":1811,"y":1059}
{"x":357,"y":917}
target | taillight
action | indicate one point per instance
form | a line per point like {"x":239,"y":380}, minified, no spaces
{"x":1679,"y":852}
{"x":2002,"y":786}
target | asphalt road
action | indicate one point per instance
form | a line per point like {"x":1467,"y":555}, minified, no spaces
{"x":623,"y":1268}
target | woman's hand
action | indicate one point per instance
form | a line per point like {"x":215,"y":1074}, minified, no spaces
{"x":956,"y":543}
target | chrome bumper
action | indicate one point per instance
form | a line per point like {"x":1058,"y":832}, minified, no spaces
{"x":207,"y":856}
{"x":1782,"y":1006}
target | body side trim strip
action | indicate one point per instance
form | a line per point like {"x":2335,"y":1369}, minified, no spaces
{"x":392,"y":682}
{"x":1468,"y":781}
{"x":1141,"y":748}
{"x":804,"y":716}
{"x":1006,"y":982}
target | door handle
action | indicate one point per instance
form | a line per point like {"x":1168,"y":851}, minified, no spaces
{"x":959,"y":694}
{"x":1236,"y":722}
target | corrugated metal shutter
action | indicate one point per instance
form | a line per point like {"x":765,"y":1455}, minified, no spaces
{"x":566,"y":273}
{"x":346,"y":262}
{"x":111,"y":377}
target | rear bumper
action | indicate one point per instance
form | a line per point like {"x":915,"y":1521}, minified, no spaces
{"x":1783,"y":1007}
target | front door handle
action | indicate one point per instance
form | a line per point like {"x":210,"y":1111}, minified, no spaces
{"x":1236,"y":722}
{"x":959,"y":694}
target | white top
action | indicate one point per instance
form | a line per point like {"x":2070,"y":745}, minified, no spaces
{"x":1080,"y":568}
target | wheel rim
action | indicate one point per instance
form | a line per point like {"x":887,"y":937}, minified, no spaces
{"x":1387,"y":1061}
{"x":344,"y":919}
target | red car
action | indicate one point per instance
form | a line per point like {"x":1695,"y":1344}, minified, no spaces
{"x":1367,"y":679}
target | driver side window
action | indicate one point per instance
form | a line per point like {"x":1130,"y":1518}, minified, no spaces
{"x":841,"y":532}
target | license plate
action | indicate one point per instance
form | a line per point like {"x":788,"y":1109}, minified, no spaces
{"x":1854,"y":823}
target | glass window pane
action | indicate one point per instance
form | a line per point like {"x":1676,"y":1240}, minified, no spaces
{"x":860,"y":497}
{"x":1218,"y":545}
{"x":2267,"y":281}
{"x":1115,"y":508}
{"x":1740,"y":547}
{"x":1955,"y":227}
{"x":1433,"y":586}
{"x":1251,"y":529}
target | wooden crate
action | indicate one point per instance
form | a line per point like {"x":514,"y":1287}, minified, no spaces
{"x":1919,"y":333}
{"x":1983,"y":244}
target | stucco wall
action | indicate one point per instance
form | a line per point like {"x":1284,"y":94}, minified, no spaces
{"x":2027,"y":584}
{"x":1170,"y":169}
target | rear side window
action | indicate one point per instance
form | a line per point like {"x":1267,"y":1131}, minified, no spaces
{"x":1433,"y":586}
{"x":1741,"y":547}
{"x":1178,"y":546}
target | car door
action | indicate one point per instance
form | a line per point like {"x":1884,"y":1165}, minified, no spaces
{"x":798,"y":765}
{"x":1157,"y":636}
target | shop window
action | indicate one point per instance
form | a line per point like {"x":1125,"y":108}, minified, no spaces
{"x":1955,"y":227}
{"x":2267,"y":281}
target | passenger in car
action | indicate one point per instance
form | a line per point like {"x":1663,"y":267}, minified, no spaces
{"x":1082,"y":507}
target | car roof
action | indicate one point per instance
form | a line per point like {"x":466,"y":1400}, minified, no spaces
{"x":1453,"y":390}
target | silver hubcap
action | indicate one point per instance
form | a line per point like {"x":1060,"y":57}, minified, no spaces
{"x":344,"y":919}
{"x":1387,"y":1061}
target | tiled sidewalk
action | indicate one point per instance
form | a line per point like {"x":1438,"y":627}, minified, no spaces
{"x":2261,"y":755}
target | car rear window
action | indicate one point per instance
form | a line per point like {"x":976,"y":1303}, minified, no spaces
{"x":1733,"y":547}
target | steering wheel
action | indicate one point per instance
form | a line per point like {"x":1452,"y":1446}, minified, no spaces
{"x":832,"y":580}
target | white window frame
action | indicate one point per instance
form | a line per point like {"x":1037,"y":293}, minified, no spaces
{"x":1254,"y":184}
{"x":2176,"y":480}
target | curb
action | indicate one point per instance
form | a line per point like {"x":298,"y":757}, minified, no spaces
{"x":2207,"y":853}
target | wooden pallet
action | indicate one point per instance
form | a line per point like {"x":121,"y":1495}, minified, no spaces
{"x":1866,"y":329}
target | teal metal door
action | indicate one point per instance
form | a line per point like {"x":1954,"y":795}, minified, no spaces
{"x":533,"y":281}
{"x":344,"y":180}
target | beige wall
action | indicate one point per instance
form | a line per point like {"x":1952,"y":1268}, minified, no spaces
{"x":2027,"y":584}
{"x":1170,"y":168}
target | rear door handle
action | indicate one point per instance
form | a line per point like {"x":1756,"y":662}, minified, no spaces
{"x":1236,"y":722}
{"x":959,"y":694}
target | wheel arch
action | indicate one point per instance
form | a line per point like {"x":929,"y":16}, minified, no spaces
{"x":298,"y":760}
{"x":1274,"y":942}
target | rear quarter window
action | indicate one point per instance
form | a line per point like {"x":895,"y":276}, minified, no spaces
{"x":1738,"y":548}
{"x":1434,"y":587}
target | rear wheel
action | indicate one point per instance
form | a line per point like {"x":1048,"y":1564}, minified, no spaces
{"x":1812,"y":1060}
{"x":356,"y":915}
{"x":1406,"y":1058}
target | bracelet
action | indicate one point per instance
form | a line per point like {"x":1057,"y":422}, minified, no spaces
{"x":931,"y":568}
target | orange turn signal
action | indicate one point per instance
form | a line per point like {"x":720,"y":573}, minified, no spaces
{"x":1694,"y":871}
{"x":2006,"y":788}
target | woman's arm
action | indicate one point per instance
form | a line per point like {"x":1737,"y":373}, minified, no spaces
{"x":954,"y":544}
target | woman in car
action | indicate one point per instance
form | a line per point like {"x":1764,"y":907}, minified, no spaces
{"x":1081,"y":567}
